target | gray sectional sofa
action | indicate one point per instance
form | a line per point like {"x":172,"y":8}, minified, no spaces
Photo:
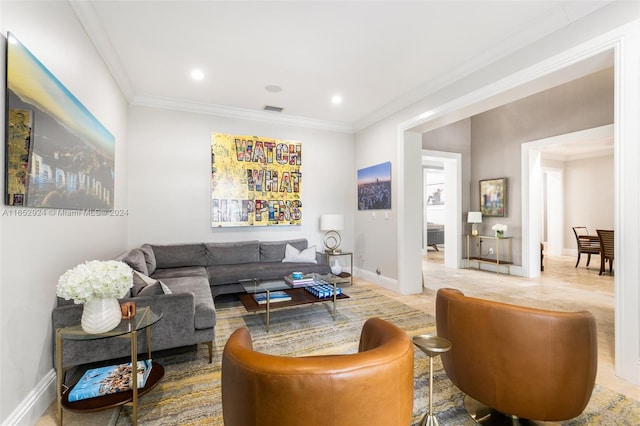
{"x":181,"y":281}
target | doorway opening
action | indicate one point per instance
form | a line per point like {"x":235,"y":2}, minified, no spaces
{"x":442,"y":205}
{"x":625,"y":203}
{"x":544,"y":189}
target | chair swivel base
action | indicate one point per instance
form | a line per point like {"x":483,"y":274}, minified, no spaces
{"x":429,"y":420}
{"x":487,"y":416}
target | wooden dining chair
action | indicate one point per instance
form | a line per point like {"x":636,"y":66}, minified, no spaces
{"x":606,"y":249}
{"x":588,"y":244}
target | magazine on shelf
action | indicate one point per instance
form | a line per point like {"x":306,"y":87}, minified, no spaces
{"x":299,"y":282}
{"x":274,"y":296}
{"x":106,"y":380}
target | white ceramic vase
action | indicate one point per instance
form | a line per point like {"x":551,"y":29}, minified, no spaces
{"x":336,"y":269}
{"x":100,"y":315}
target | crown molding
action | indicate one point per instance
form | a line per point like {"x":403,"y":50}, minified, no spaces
{"x":241,"y":113}
{"x":92,"y":26}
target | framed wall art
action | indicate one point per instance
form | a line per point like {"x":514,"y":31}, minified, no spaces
{"x":435,"y":194}
{"x":57,"y":154}
{"x":493,"y":197}
{"x":374,"y":187}
{"x":255,"y":181}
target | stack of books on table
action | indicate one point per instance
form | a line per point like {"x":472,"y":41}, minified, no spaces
{"x":274,"y":297}
{"x":323,"y":290}
{"x":303,"y":281}
{"x":107,"y":380}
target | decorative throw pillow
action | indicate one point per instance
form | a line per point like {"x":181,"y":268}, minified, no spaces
{"x":135,"y":259}
{"x":155,"y":289}
{"x":149,"y":257}
{"x":292,"y":254}
{"x":140,"y":281}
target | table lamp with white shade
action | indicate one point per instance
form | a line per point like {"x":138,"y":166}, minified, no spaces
{"x":474,"y":218}
{"x":332,"y":223}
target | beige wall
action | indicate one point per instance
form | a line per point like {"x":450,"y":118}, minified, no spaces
{"x":490,"y":142}
{"x":497,"y":136}
{"x":589,"y":197}
{"x":455,"y":137}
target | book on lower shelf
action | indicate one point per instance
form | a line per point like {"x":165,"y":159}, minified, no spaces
{"x":299,"y":282}
{"x":107,"y":380}
{"x":274,"y":297}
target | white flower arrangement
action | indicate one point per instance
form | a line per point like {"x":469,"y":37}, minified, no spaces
{"x":499,"y":227}
{"x":95,"y":278}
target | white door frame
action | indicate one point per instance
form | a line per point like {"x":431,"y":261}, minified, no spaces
{"x":625,"y":43}
{"x":452,"y":166}
{"x":553,"y":210}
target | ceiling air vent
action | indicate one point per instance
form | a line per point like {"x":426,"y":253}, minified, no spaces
{"x":273,"y":108}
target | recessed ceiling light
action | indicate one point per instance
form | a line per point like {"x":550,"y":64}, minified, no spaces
{"x":273,"y":88}
{"x":197,"y":74}
{"x":336,"y":99}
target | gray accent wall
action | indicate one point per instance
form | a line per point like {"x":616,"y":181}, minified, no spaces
{"x":492,"y":148}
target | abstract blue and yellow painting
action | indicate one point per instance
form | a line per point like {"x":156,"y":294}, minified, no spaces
{"x":58,"y":154}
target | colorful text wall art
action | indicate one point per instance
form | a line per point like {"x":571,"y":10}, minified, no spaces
{"x":255,"y":181}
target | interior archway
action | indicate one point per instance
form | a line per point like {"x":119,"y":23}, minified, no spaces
{"x":565,"y":67}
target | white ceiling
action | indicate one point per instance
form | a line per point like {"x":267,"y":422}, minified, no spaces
{"x":380,"y":56}
{"x":579,"y":148}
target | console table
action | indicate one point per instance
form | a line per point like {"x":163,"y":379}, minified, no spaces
{"x":480,"y":257}
{"x":143,"y":320}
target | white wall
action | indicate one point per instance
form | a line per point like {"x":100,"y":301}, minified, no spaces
{"x":613,"y":27}
{"x":589,"y":197}
{"x":170,"y":169}
{"x":465,"y":97}
{"x":35,"y":251}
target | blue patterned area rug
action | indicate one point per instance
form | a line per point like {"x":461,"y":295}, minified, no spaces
{"x":190,"y":392}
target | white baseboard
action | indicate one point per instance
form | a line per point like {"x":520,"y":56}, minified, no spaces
{"x":491,"y":267}
{"x":36,"y":403}
{"x":382,"y":281}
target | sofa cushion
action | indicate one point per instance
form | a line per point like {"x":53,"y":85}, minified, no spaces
{"x":230,"y":274}
{"x":233,"y":253}
{"x":149,"y":257}
{"x":135,"y":259}
{"x":177,"y":255}
{"x":292,"y":255}
{"x":273,"y":251}
{"x":187,"y":271}
{"x":205,"y":311}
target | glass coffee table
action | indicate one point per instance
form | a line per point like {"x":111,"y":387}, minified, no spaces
{"x":264,"y":290}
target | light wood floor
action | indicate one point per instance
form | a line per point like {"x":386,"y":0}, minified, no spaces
{"x":560,"y":287}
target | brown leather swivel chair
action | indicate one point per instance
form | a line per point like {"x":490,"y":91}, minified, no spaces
{"x":371,"y":387}
{"x":529,"y":363}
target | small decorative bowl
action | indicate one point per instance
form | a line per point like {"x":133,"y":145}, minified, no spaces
{"x":296,"y":275}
